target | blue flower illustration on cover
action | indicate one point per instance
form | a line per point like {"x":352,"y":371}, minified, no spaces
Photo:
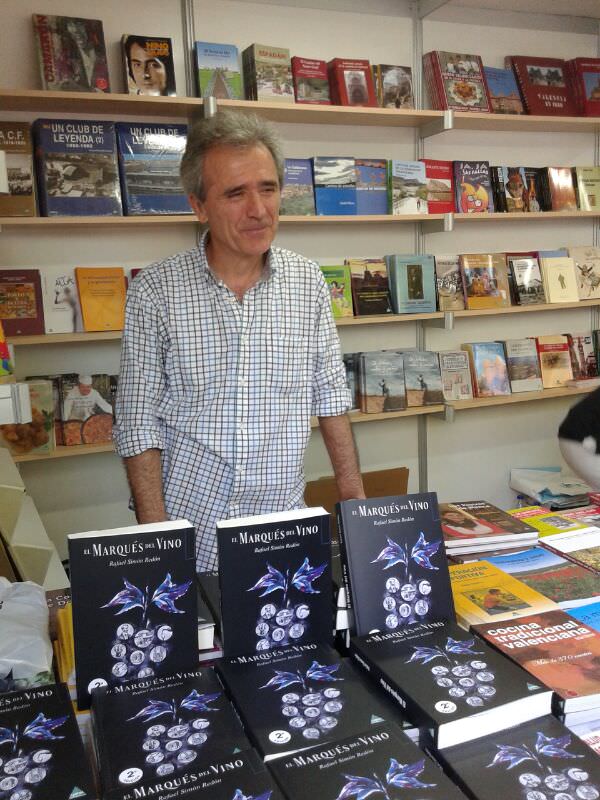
{"x":399,"y":777}
{"x":26,"y":756}
{"x":288,"y":621}
{"x":407,"y":598}
{"x":239,"y":795}
{"x":539,"y":777}
{"x":141,"y":646}
{"x":465,"y":678}
{"x":313,"y":706}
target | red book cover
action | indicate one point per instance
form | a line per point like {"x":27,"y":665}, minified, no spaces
{"x":21,"y":310}
{"x":351,"y":82}
{"x":585,"y":80}
{"x":544,"y":85}
{"x":431,"y":78}
{"x":459,"y":81}
{"x":311,"y":83}
{"x":440,"y":186}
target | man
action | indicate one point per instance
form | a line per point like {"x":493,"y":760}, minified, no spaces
{"x":81,"y":401}
{"x":228,"y":350}
{"x":146,"y":68}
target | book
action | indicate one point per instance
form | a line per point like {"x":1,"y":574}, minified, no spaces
{"x":472,"y":187}
{"x":583,"y":356}
{"x":450,"y":683}
{"x":381,"y":385}
{"x":148,"y":65}
{"x":371,"y":186}
{"x":335,"y":185}
{"x":422,"y":378}
{"x":557,"y":650}
{"x":535,"y":758}
{"x":456,"y":375}
{"x":370,"y":286}
{"x":62,"y":311}
{"x":472,"y":523}
{"x":17,"y":197}
{"x":76,"y":168}
{"x":523,"y":365}
{"x":581,"y":546}
{"x":412,"y":283}
{"x":587,"y":270}
{"x":71,"y":53}
{"x":380,"y":762}
{"x":440,"y":186}
{"x":36,"y":436}
{"x":311,"y":83}
{"x":102,"y":297}
{"x":555,"y":361}
{"x":449,"y":285}
{"x":489,"y":372}
{"x":503,"y":91}
{"x":340,"y":290}
{"x":588,"y":614}
{"x":275,"y":580}
{"x":21,"y":307}
{"x":218,"y":71}
{"x":45,"y":755}
{"x":563,"y":196}
{"x":544,"y":85}
{"x":393,"y":86}
{"x":588,"y":187}
{"x":483,"y":592}
{"x":528,"y":281}
{"x":161,"y":728}
{"x":351,"y":366}
{"x":407,"y":187}
{"x":458,"y":80}
{"x":297,"y":198}
{"x":546,"y":522}
{"x":584,"y":77}
{"x":514,"y":183}
{"x":134,"y":615}
{"x":86,"y":409}
{"x":560,"y":279}
{"x":149,"y":161}
{"x":293,"y":698}
{"x":6,"y":365}
{"x":566,"y":583}
{"x":351,"y":82}
{"x":267,"y":73}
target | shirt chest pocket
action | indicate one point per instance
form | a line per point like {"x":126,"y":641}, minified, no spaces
{"x":290,"y":363}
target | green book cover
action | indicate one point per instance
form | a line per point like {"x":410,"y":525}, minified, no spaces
{"x":338,"y":281}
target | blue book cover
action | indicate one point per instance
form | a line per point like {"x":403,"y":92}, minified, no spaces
{"x":472,"y":187}
{"x":218,"y":71}
{"x":297,"y":198}
{"x":588,"y":614}
{"x":412,"y":283}
{"x":149,"y":160}
{"x":335,"y":185}
{"x":76,"y":164}
{"x":503,"y":91}
{"x":371,"y":186}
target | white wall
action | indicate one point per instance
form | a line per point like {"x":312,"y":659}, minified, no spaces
{"x":469,"y":458}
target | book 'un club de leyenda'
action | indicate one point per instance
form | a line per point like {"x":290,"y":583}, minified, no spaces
{"x":134,"y":604}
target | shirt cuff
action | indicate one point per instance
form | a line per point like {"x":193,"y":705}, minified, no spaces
{"x":133,"y":441}
{"x":332,"y":404}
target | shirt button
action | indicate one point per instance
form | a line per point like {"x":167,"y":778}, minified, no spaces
{"x":242,"y":381}
{"x":242,"y":428}
{"x":244,"y":339}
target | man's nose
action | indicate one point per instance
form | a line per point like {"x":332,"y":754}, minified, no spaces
{"x":255,"y":204}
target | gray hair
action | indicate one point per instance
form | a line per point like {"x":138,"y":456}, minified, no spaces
{"x":231,"y":128}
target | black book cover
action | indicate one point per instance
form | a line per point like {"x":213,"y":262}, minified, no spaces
{"x":134,"y":604}
{"x":539,"y":760}
{"x":160,"y":728}
{"x":275,"y":580}
{"x":449,"y":683}
{"x":297,"y":697}
{"x":41,"y":753}
{"x":395,"y":566}
{"x":382,"y":763}
{"x":209,"y":588}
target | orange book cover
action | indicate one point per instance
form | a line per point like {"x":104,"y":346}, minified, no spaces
{"x":102,"y":297}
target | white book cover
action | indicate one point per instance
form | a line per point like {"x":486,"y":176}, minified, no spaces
{"x":587,"y":270}
{"x":523,"y":365}
{"x":62,"y":311}
{"x":456,"y":375}
{"x":559,"y":279}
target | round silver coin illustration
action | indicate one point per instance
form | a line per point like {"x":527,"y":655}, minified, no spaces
{"x":155,"y":730}
{"x":21,"y":794}
{"x":119,"y":669}
{"x":145,"y":672}
{"x":408,"y":592}
{"x":485,"y":677}
{"x":327,"y":723}
{"x":268,"y":611}
{"x":425,"y":587}
{"x":468,"y":683}
{"x":445,"y":682}
{"x":164,"y":633}
{"x":197,"y":738}
{"x":391,"y":621}
{"x":165,"y":769}
{"x":312,"y":712}
{"x":389,"y":603}
{"x":290,"y":698}
{"x":278,"y":634}
{"x":6,"y":784}
{"x":474,"y":701}
{"x":137,"y":657}
{"x":118,"y":651}
{"x":297,"y":722}
{"x":35,"y":775}
{"x":536,"y":795}
{"x":284,"y":617}
{"x":151,"y":744}
{"x":262,"y":629}
{"x":296,"y":630}
{"x":144,"y":638}
{"x":404,"y":610}
{"x":312,"y":699}
{"x":125,"y":631}
{"x":577,"y":774}
{"x":41,"y":756}
{"x":333,"y":707}
{"x":439,"y":670}
{"x":462,"y":671}
{"x":421,"y":607}
{"x":587,"y":792}
{"x":456,"y":691}
{"x":289,"y":711}
{"x":530,"y":780}
{"x":173,"y":745}
{"x":158,"y":654}
{"x":486,"y":691}
{"x":331,"y":694}
{"x":178,"y":731}
{"x":311,"y":733}
{"x":200,"y":724}
{"x":558,"y":783}
{"x":187,"y":756}
{"x":478,"y":664}
{"x":303,"y":611}
{"x":263,"y":644}
{"x":155,"y":758}
{"x":392,"y":585}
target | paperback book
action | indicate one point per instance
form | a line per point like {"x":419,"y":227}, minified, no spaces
{"x":267,"y":73}
{"x":472,"y":523}
{"x":581,"y":546}
{"x":218,"y":71}
{"x":393,"y":86}
{"x":555,"y":360}
{"x":102,"y":297}
{"x":584,"y":76}
{"x":134,"y":605}
{"x":148,"y":65}
{"x":21,"y":307}
{"x":485,"y":279}
{"x":456,"y":375}
{"x":472,"y":187}
{"x":149,"y":162}
{"x":335,"y":185}
{"x":503,"y":91}
{"x":440,"y":186}
{"x":351,"y":82}
{"x":283,"y":590}
{"x":311,"y":84}
{"x":560,"y":279}
{"x":583,"y":356}
{"x":407,"y":187}
{"x":489,"y":372}
{"x":162,"y":727}
{"x":527,"y":277}
{"x":544,"y":85}
{"x":297,"y":198}
{"x":412,"y":283}
{"x":71,"y":53}
{"x":457,"y":80}
{"x":587,"y":270}
{"x":450,"y":684}
{"x":17,"y":198}
{"x":41,"y":752}
{"x":340,"y":290}
{"x":588,"y":187}
{"x":62,"y":310}
{"x":422,"y":378}
{"x":294,"y":698}
{"x":563,"y":196}
{"x":76,"y":166}
{"x":449,"y":284}
{"x":523,"y":365}
{"x":370,"y":286}
{"x":547,"y":522}
{"x":393,"y":562}
{"x":381,"y":386}
{"x":371,"y":186}
{"x":514,"y":184}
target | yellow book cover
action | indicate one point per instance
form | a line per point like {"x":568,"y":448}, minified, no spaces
{"x":546,"y":522}
{"x":484,"y":593}
{"x":555,"y":360}
{"x":102,"y":297}
{"x":485,"y":279}
{"x":560,"y":281}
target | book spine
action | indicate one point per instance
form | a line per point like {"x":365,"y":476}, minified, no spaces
{"x":350,"y":605}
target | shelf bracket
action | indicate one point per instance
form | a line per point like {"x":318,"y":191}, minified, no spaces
{"x":447,"y":322}
{"x":444,"y":225}
{"x":447,"y":415}
{"x":439,"y":125}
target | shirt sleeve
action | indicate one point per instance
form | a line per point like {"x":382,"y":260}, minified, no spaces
{"x":330,"y":393}
{"x":142,"y":376}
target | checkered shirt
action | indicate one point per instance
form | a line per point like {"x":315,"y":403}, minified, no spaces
{"x":226,"y":389}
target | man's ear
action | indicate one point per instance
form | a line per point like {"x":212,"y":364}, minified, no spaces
{"x":198,"y":208}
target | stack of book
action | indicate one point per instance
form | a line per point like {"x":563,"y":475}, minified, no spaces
{"x":476,"y":526}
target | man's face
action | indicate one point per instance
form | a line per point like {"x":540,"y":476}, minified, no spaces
{"x":148,"y":72}
{"x":84,"y":389}
{"x":241,"y":204}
